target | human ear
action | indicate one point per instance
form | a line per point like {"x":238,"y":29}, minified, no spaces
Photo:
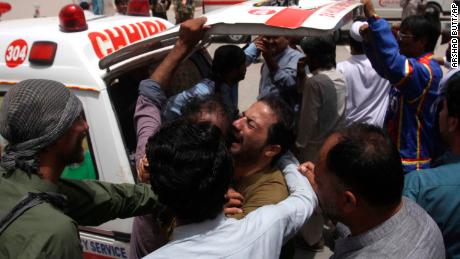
{"x":349,"y":202}
{"x":272,"y":150}
{"x":452,"y":124}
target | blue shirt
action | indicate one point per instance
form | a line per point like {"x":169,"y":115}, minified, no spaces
{"x":283,"y":81}
{"x":412,"y":109}
{"x":437,"y":191}
{"x":201,"y":89}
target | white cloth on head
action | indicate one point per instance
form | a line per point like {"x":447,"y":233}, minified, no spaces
{"x":354,"y":30}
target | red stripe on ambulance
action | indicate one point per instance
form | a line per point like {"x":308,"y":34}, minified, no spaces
{"x":290,"y":18}
{"x":212,"y":2}
{"x":113,"y":39}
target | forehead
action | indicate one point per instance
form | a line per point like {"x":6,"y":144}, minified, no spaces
{"x":261,"y":113}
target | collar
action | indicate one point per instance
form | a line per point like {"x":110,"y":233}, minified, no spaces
{"x":323,"y":71}
{"x":354,"y":243}
{"x":425,"y":58}
{"x":253,"y":178}
{"x":282,"y":53}
{"x":32,"y":182}
{"x":197,"y":229}
{"x":359,"y":57}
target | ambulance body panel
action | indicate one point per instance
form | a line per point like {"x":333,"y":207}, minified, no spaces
{"x":389,"y":9}
{"x":104,"y":64}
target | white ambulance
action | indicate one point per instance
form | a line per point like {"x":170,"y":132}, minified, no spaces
{"x":389,"y":9}
{"x":103,"y":59}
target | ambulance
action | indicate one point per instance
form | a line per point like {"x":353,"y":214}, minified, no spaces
{"x":103,"y":59}
{"x":388,"y":9}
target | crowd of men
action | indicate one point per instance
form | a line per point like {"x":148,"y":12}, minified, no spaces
{"x":369,"y":146}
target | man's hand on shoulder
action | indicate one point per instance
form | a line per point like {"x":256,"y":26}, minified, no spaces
{"x":234,"y":202}
{"x":308,"y":170}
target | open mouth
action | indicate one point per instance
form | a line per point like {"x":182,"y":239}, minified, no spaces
{"x":235,"y":137}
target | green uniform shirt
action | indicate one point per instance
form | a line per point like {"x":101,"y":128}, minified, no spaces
{"x":46,"y":232}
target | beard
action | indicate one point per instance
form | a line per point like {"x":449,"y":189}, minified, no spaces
{"x":76,"y":155}
{"x":330,"y":211}
{"x":246,"y":156}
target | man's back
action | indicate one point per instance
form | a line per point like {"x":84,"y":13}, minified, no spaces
{"x":436,"y":191}
{"x":322,"y":111}
{"x":42,"y":231}
{"x":410,"y":233}
{"x":368,"y":93}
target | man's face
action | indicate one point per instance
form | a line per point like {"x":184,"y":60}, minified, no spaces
{"x":276,"y":44}
{"x":71,"y":143}
{"x":215,"y":114}
{"x":122,"y":7}
{"x":251,"y":131}
{"x":326,"y":185}
{"x":408,"y":44}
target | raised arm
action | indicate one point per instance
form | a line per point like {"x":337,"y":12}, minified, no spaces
{"x":190,"y":33}
{"x":408,"y":74}
{"x":151,"y":91}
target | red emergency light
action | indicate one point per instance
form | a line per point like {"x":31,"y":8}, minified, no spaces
{"x":42,"y":53}
{"x":139,"y":8}
{"x":72,"y":19}
{"x":4,"y":7}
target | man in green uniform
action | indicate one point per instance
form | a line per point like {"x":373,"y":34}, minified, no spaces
{"x":44,"y":125}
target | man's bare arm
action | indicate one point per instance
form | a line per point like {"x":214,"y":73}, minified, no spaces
{"x":190,"y":33}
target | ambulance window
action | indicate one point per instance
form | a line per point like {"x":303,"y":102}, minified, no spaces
{"x":123,"y":92}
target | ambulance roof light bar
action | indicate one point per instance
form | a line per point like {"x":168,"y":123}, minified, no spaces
{"x":139,"y":8}
{"x":72,"y":19}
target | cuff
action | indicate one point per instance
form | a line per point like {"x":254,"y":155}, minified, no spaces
{"x":151,"y":89}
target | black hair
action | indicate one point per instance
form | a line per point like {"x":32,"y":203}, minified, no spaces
{"x":213,"y":102}
{"x":283,"y":131}
{"x":226,"y":59}
{"x":451,"y":94}
{"x":118,"y":2}
{"x":321,"y":48}
{"x":428,"y":27}
{"x":191,"y":169}
{"x":366,"y":161}
{"x":84,"y":5}
{"x":356,"y":45}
